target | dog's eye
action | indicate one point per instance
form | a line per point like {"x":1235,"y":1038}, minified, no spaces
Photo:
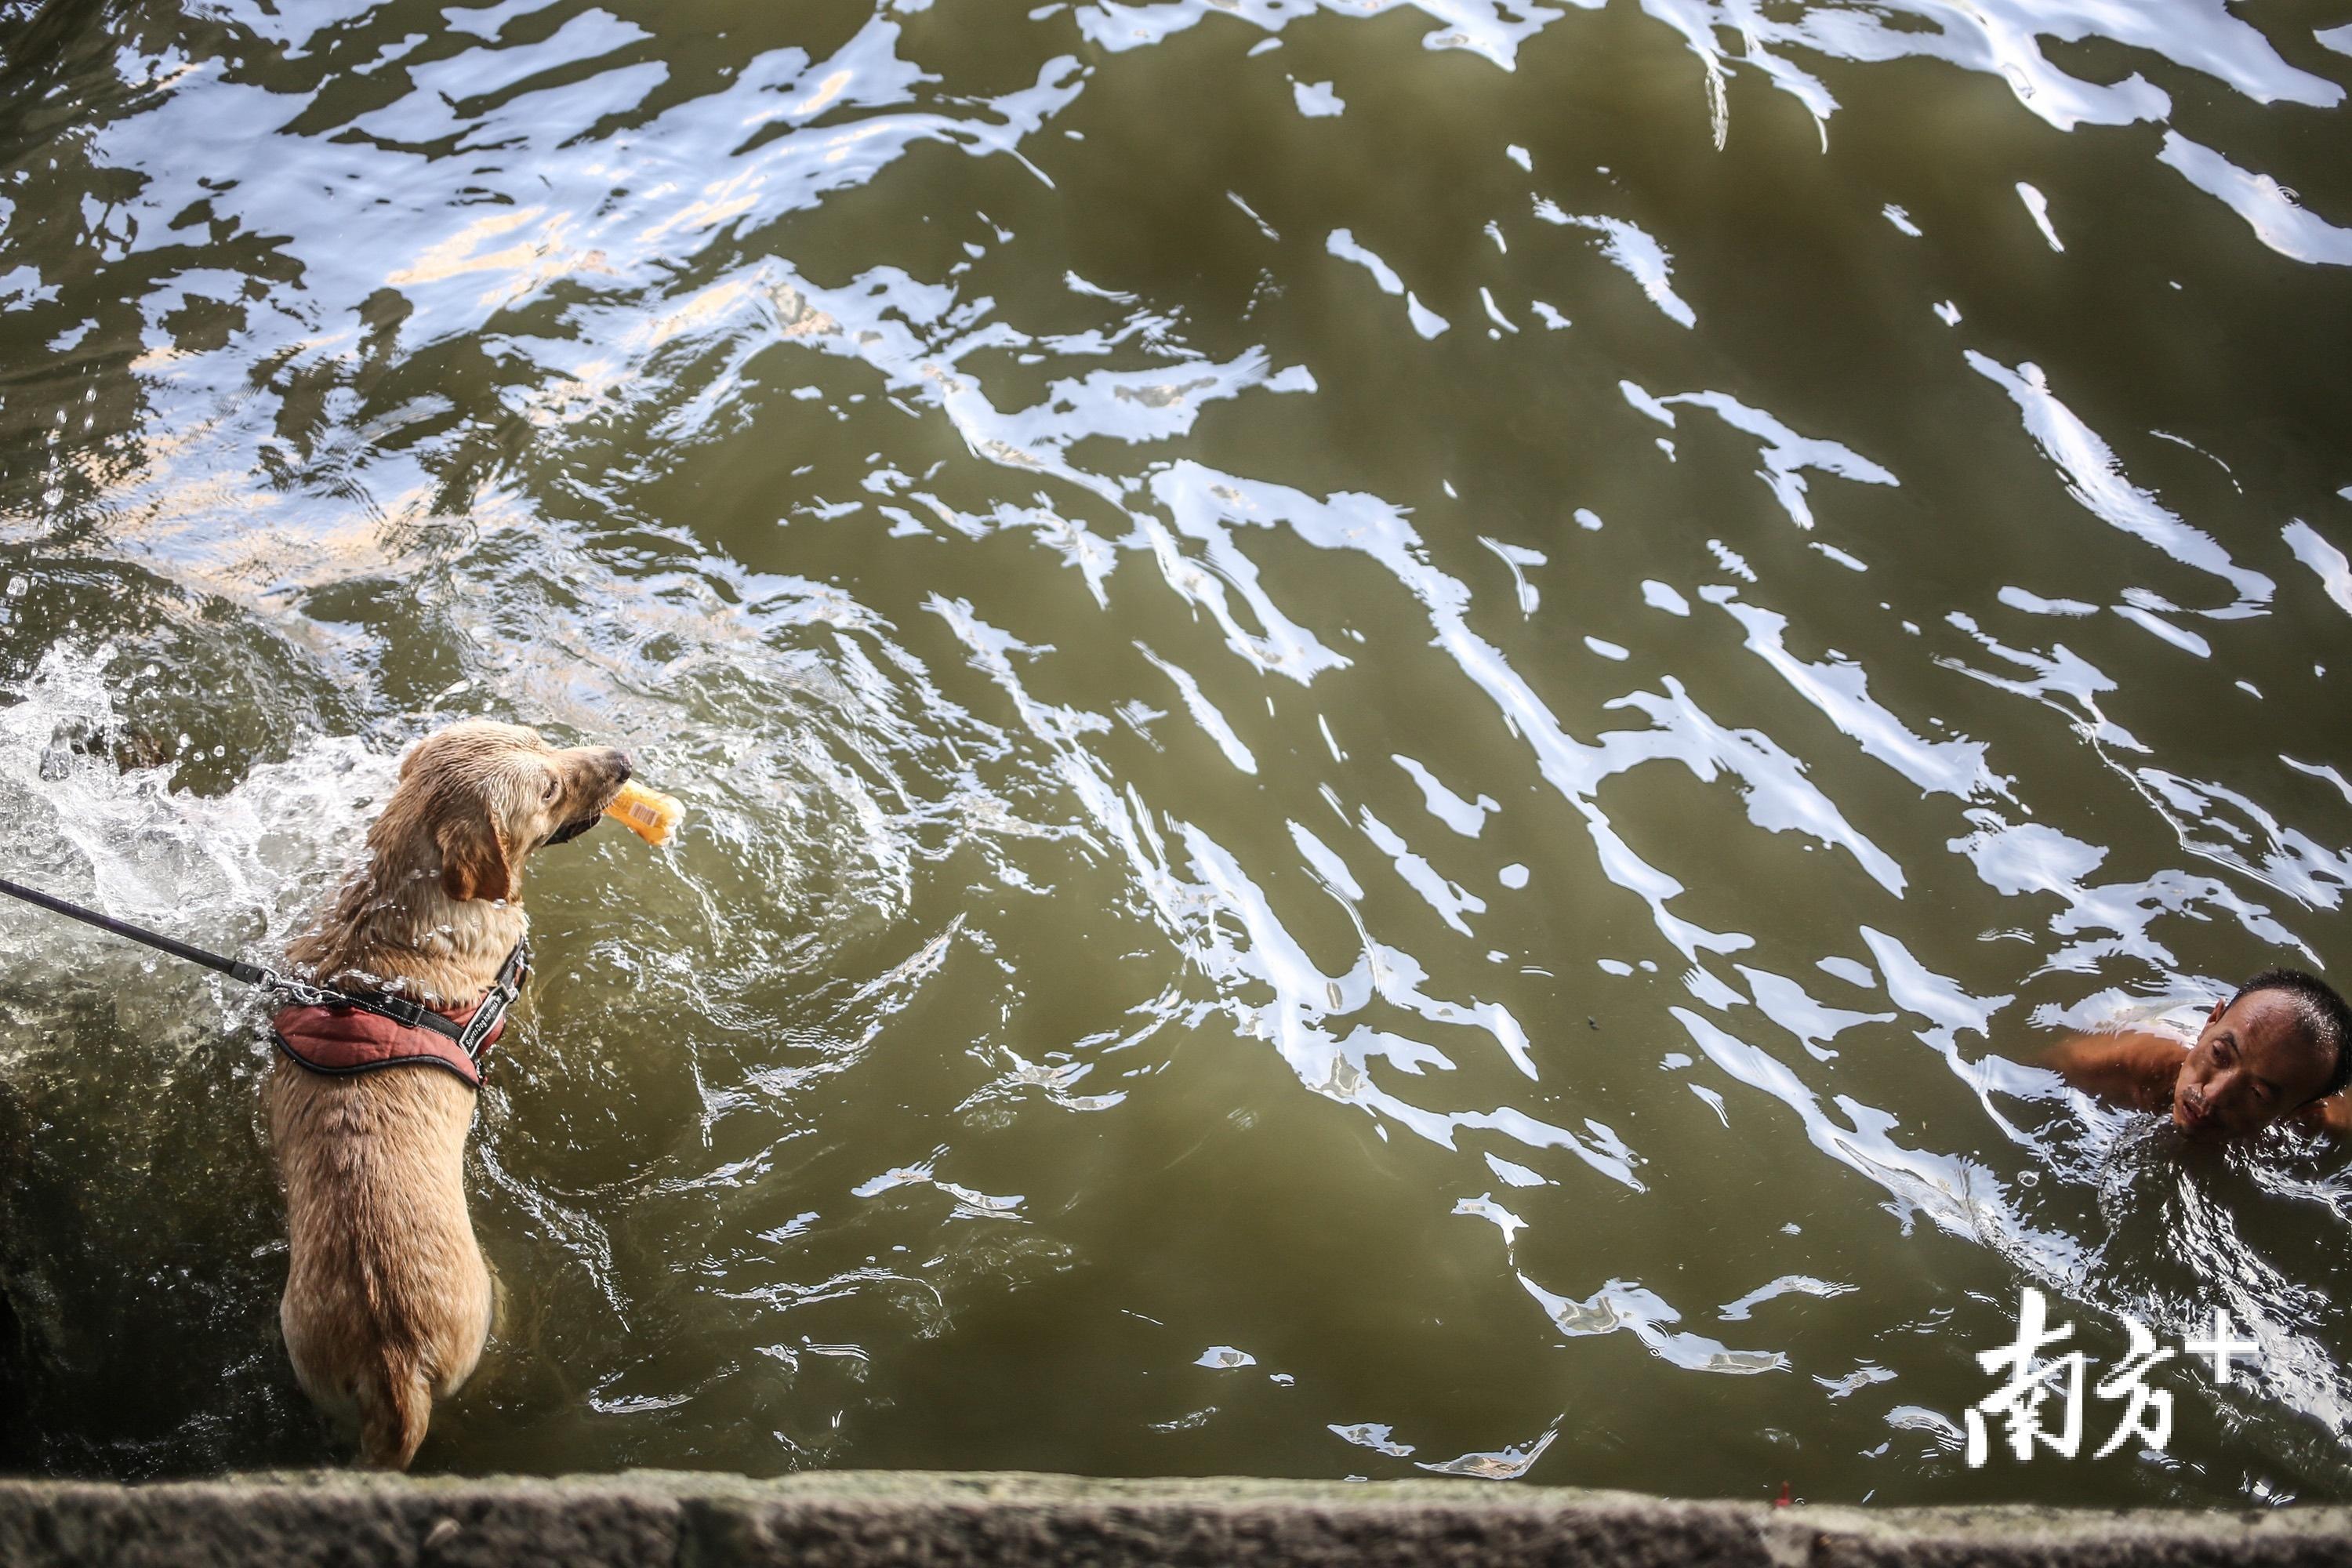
{"x":553,"y":786}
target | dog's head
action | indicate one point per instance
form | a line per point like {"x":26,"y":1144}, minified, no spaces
{"x":480,"y":796}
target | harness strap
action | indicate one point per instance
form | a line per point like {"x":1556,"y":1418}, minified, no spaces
{"x":457,"y":1044}
{"x":490,"y":1016}
{"x":470,"y":1035}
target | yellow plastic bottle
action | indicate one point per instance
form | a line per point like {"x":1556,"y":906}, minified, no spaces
{"x":647,"y":813}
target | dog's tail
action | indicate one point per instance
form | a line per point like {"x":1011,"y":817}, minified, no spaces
{"x":394,"y":1406}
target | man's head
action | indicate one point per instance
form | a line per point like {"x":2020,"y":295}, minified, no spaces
{"x":2282,"y":1041}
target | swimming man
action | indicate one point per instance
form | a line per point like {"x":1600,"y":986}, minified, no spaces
{"x":2280,"y":1049}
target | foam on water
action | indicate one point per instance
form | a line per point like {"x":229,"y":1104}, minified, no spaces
{"x":81,"y":818}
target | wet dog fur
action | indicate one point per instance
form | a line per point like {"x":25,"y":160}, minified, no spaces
{"x":388,"y":1299}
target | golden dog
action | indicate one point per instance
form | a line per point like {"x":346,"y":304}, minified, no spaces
{"x":388,"y":1299}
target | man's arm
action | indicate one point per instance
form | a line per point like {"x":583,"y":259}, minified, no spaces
{"x":2138,"y":1069}
{"x":2333,"y":1115}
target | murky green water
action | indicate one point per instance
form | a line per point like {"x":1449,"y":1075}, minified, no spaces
{"x":1402,"y":720}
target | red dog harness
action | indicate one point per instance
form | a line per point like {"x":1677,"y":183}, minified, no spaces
{"x":347,"y":1040}
{"x":342,"y":1033}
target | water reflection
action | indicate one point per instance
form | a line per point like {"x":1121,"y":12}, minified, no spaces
{"x":1203,"y":569}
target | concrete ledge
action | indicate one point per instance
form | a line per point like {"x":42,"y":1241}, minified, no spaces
{"x":852,"y":1519}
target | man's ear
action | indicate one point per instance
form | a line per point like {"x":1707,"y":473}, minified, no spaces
{"x":2218,"y":1008}
{"x":474,"y":863}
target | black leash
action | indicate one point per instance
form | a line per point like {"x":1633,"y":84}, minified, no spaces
{"x":244,"y":973}
{"x":399,"y":1010}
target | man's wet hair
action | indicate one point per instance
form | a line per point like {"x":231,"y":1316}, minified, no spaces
{"x":2325,"y":1018}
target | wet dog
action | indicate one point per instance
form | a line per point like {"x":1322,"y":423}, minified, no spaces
{"x":388,"y":1299}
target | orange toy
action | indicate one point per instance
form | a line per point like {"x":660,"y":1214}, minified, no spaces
{"x":647,"y":813}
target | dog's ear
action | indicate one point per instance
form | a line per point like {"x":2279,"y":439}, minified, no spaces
{"x":474,"y":863}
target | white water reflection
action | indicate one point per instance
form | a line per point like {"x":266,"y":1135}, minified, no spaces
{"x":1495,"y":28}
{"x":2269,"y":208}
{"x":1643,"y":1313}
{"x":2094,"y":477}
{"x":1642,"y":258}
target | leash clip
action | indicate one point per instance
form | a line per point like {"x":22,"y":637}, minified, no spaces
{"x":304,"y":993}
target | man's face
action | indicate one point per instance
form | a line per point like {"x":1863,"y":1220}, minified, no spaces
{"x":2255,"y":1062}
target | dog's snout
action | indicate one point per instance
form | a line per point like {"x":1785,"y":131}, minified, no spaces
{"x":618,"y":764}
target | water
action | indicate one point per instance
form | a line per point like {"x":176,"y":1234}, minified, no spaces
{"x":1401,"y":721}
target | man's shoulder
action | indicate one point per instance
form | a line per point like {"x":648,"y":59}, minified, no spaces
{"x":2131,"y":1065}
